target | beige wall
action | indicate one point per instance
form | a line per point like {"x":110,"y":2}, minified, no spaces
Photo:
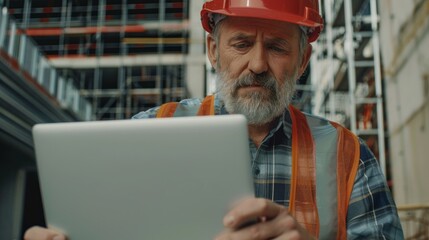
{"x":410,"y":159}
{"x":404,"y":36}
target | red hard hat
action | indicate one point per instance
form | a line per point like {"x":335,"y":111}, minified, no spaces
{"x":301,"y":12}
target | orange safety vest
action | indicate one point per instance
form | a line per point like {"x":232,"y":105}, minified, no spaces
{"x":303,"y":200}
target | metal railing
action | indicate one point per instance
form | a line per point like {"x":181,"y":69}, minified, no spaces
{"x":23,"y":54}
{"x":415,"y":221}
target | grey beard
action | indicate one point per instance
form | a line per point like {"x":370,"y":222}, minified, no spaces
{"x":258,"y":107}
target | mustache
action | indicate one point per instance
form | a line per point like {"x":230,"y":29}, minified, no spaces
{"x":264,"y":80}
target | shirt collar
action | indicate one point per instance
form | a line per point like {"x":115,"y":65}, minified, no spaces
{"x":285,"y":123}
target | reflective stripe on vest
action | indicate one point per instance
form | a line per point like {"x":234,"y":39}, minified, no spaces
{"x":325,"y":158}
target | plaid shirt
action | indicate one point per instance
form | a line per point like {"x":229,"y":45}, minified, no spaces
{"x":372,"y":212}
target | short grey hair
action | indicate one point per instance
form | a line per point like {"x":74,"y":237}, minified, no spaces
{"x":217,"y":19}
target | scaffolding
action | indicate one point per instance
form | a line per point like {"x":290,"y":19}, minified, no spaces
{"x":348,"y":59}
{"x":123,"y":56}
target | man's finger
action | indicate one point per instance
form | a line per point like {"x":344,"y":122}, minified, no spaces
{"x":262,"y":230}
{"x":251,"y":210}
{"x":39,"y":233}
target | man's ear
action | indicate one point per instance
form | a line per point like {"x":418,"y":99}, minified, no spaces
{"x":212,"y":50}
{"x":305,"y":59}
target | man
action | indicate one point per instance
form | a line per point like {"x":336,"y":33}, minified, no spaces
{"x":313,"y":178}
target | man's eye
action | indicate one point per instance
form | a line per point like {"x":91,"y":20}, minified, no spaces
{"x":242,"y":45}
{"x":277,"y":49}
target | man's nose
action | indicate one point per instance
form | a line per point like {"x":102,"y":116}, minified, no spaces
{"x":258,"y":61}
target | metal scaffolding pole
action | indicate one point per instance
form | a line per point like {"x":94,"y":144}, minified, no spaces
{"x":99,"y":54}
{"x":350,"y":51}
{"x":159,"y":77}
{"x":330,"y":56}
{"x":61,"y":48}
{"x":378,"y":85}
{"x":122,"y":86}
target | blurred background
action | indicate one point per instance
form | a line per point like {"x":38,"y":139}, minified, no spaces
{"x":76,"y":60}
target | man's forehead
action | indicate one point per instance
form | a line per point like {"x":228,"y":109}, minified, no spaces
{"x":240,"y":36}
{"x":251,"y":26}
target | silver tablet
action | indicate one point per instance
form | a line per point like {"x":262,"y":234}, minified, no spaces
{"x":170,"y":178}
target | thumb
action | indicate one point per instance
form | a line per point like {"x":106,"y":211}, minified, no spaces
{"x":40,"y":233}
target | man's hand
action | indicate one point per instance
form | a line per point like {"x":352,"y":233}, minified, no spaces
{"x":39,"y":233}
{"x":257,"y":218}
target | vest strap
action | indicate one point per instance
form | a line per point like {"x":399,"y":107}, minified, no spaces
{"x":302,"y":204}
{"x":207,"y":106}
{"x":167,"y":110}
{"x":348,"y":155}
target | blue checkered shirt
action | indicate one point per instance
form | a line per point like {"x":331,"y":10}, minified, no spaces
{"x":372,"y":212}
